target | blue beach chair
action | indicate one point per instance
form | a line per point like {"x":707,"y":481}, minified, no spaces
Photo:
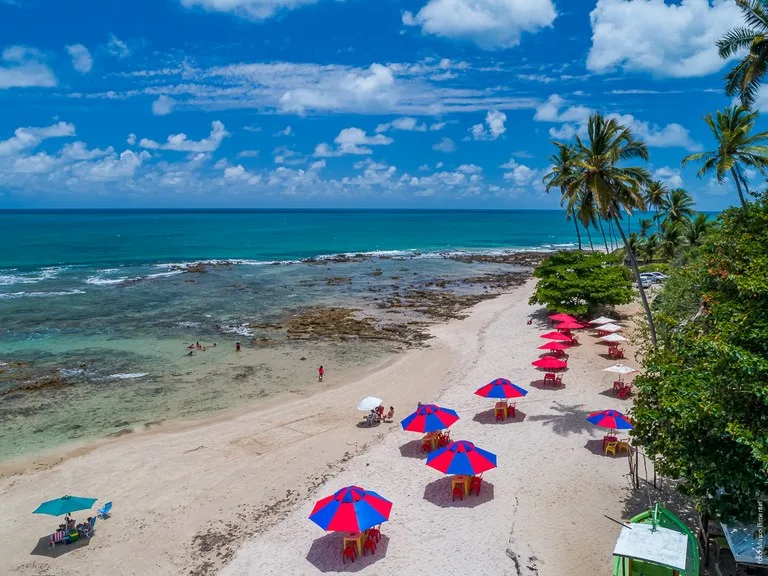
{"x":105,"y":511}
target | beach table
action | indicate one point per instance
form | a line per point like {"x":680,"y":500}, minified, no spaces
{"x":461,"y":480}
{"x":501,"y":408}
{"x":358,"y":538}
{"x":434,"y":440}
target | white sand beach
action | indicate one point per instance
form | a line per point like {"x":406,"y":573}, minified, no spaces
{"x":235,"y":492}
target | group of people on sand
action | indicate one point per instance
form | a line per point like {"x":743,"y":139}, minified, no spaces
{"x":377,"y":415}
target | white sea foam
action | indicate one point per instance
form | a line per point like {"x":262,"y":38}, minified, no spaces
{"x":187,"y":324}
{"x":241,"y":330}
{"x":126,"y":376}
{"x":67,"y":372}
{"x":12,"y":276}
{"x":12,"y":295}
{"x":98,"y":281}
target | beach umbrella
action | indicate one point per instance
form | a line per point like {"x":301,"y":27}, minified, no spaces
{"x":370,"y":403}
{"x":569,"y":325}
{"x":562,"y":318}
{"x":556,"y":336}
{"x":620,"y":369}
{"x":501,"y":388}
{"x":612,"y":419}
{"x":64,"y":505}
{"x":613,"y":338}
{"x":610,"y":327}
{"x":429,"y":418}
{"x":461,"y":457}
{"x":554,"y":346}
{"x":601,"y":320}
{"x":351,"y":509}
{"x":549,"y":363}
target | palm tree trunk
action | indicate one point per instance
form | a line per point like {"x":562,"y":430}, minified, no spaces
{"x":738,"y":188}
{"x":591,"y":246}
{"x":612,"y":236}
{"x":633,"y":261}
{"x":578,"y":234}
{"x":605,"y":240}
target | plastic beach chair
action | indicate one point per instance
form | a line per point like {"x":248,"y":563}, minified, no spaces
{"x":105,"y":511}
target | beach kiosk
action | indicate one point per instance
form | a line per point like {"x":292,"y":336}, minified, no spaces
{"x":656,"y":543}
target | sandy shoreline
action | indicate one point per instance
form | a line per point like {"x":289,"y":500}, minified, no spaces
{"x":235,"y":491}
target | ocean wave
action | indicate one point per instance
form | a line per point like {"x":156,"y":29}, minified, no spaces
{"x":188,"y":324}
{"x":11,"y":277}
{"x":98,"y":281}
{"x":126,"y":376}
{"x":101,"y":281}
{"x":241,"y":330}
{"x":12,"y":295}
{"x":69,"y":372}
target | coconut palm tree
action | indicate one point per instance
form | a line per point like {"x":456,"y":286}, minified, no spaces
{"x":585,"y":212}
{"x":560,"y":175}
{"x":747,"y":75}
{"x":650,"y":247}
{"x":737,"y":147}
{"x":655,"y":197}
{"x":614,"y":186}
{"x":670,"y":240}
{"x":645,"y":225}
{"x":678,"y":208}
{"x":696,"y":229}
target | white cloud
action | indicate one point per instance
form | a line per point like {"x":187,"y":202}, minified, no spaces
{"x":550,"y":111}
{"x":131,"y":139}
{"x":179,"y":142}
{"x":163,"y":105}
{"x":522,"y":176}
{"x":490,"y":24}
{"x":79,"y":151}
{"x":287,"y":131}
{"x":23,"y":68}
{"x":251,"y":128}
{"x":248,"y":154}
{"x":670,"y":176}
{"x":240,"y":175}
{"x":112,"y":167}
{"x":445,"y":145}
{"x":674,"y":40}
{"x":352,"y":141}
{"x":406,"y":124}
{"x":493,"y":128}
{"x":317,"y":165}
{"x":469,"y":169}
{"x":117,"y":47}
{"x":28,"y":138}
{"x":669,"y":136}
{"x":437,"y":126}
{"x":81,"y":58}
{"x":251,"y":9}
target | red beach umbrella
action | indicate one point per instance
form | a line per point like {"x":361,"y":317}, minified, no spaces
{"x":549,"y":363}
{"x":562,"y":318}
{"x":462,"y":457}
{"x":569,"y":325}
{"x":554,"y":346}
{"x":556,"y":336}
{"x":351,"y":509}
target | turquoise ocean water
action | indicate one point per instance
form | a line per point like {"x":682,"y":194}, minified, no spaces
{"x":100,"y":299}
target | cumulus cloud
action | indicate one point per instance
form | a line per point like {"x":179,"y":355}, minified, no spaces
{"x":352,"y":141}
{"x":287,"y":131}
{"x":28,"y":138}
{"x":117,"y":47}
{"x":240,"y":175}
{"x":81,"y":58}
{"x":406,"y":124}
{"x":522,"y":176}
{"x":445,"y":145}
{"x":251,"y":9}
{"x":670,"y":136}
{"x":180,"y":143}
{"x":112,"y":167}
{"x":666,"y":39}
{"x":554,"y":110}
{"x":493,"y":127}
{"x":131,"y":139}
{"x":490,"y":24}
{"x":163,"y":105}
{"x":248,"y":154}
{"x":670,"y":176}
{"x":23,"y":67}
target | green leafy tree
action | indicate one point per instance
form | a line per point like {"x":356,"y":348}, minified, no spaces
{"x":702,"y":405}
{"x":645,"y":225}
{"x":671,"y":240}
{"x":697,"y":228}
{"x":563,"y":167}
{"x":650,"y":247}
{"x":678,"y":208}
{"x":580,"y":282}
{"x":656,"y":194}
{"x":752,"y":40}
{"x":737,"y":148}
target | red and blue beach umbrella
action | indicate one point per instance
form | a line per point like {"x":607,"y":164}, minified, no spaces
{"x":501,"y":388}
{"x":429,"y":418}
{"x":351,"y":509}
{"x":461,"y":457}
{"x":612,"y":419}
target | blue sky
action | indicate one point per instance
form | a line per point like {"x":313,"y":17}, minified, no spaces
{"x":343,"y":103}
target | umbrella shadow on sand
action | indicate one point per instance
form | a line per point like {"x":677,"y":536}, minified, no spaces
{"x":570,"y":419}
{"x":489,"y":417}
{"x":412,"y":449}
{"x":42,"y":548}
{"x":439,"y":493}
{"x":325,"y":554}
{"x":540,"y":385}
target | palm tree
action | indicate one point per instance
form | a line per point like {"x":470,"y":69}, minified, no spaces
{"x":614,"y":186}
{"x":560,"y":175}
{"x":671,"y":240}
{"x":645,"y":225}
{"x":585,"y":212}
{"x":655,"y":197}
{"x":651,"y":247}
{"x":678,"y":207}
{"x":737,"y":147}
{"x":696,"y":229}
{"x":747,"y":75}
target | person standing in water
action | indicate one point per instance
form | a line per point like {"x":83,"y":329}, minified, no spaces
{"x":320,"y":374}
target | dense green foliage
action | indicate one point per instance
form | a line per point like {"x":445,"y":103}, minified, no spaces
{"x":702,"y":405}
{"x":579,"y":283}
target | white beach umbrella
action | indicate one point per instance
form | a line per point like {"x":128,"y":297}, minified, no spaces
{"x":620,"y":369}
{"x":601,"y":320}
{"x":614,"y":338}
{"x":368,"y":404}
{"x":609,"y":328}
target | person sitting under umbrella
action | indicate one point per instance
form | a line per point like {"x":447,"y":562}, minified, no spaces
{"x":390,"y":415}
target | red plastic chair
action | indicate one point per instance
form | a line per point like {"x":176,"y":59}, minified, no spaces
{"x":499,"y":414}
{"x":474,"y":485}
{"x":625,"y":391}
{"x":558,"y":381}
{"x":511,"y":410}
{"x":369,"y":545}
{"x":348,"y":552}
{"x":426,"y":445}
{"x":374,"y":533}
{"x":458,"y":491}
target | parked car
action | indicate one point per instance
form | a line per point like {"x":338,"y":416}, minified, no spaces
{"x":658,"y":277}
{"x":646,"y":280}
